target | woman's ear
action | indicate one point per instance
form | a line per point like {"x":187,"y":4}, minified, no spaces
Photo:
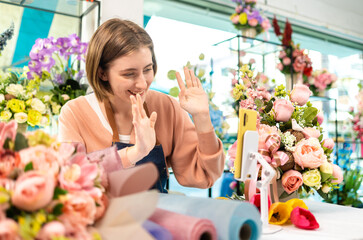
{"x":102,"y":74}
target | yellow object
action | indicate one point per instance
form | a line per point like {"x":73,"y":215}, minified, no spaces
{"x":222,"y":198}
{"x":279,"y":213}
{"x":295,"y":202}
{"x":247,"y":121}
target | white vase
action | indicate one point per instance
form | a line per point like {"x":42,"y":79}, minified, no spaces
{"x":249,"y":32}
{"x":296,"y":78}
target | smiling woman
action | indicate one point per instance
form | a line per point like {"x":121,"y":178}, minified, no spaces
{"x":144,"y":125}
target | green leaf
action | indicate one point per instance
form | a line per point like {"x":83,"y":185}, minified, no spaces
{"x":7,"y":143}
{"x":171,"y":75}
{"x":320,"y":137}
{"x":59,"y":191}
{"x":174,"y":91}
{"x":57,"y":210}
{"x":20,"y":142}
{"x":325,"y":176}
{"x":323,"y":195}
{"x":309,"y":114}
{"x":269,"y":105}
{"x":258,"y":103}
{"x":284,"y":195}
{"x":29,"y":167}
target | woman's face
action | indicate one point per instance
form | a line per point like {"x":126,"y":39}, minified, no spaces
{"x":131,"y":74}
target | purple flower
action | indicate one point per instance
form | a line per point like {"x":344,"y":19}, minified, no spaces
{"x":79,"y":75}
{"x":63,"y":45}
{"x":31,"y":75}
{"x":58,"y":79}
{"x":47,"y":62}
{"x":255,"y":14}
{"x":35,"y":66}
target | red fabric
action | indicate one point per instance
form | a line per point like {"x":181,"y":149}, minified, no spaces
{"x":303,"y":218}
{"x":256,"y":200}
{"x":184,"y":227}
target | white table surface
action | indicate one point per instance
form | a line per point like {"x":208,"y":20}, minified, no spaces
{"x":336,"y":222}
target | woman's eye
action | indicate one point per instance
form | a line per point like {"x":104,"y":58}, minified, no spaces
{"x":129,"y":74}
{"x":148,"y":69}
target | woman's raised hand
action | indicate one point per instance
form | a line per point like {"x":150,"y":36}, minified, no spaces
{"x":145,"y":137}
{"x":192,"y":97}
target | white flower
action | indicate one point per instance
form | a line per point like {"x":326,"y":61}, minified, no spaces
{"x":46,"y":98}
{"x":38,"y":105}
{"x":15,"y":89}
{"x":21,"y":117}
{"x":44,"y":122}
{"x":56,"y":108}
{"x":325,"y":188}
{"x":2,"y":98}
{"x":65,"y":97}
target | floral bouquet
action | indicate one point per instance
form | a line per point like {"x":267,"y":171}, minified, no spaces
{"x":320,"y":81}
{"x":358,"y":117}
{"x":57,"y":60}
{"x":5,"y":36}
{"x":290,"y":137}
{"x":48,"y":190}
{"x":19,"y":102}
{"x":246,"y":16}
{"x":292,"y":58}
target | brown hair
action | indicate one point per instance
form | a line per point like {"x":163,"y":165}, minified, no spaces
{"x":113,"y":39}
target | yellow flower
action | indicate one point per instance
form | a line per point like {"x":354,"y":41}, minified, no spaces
{"x":34,"y":117}
{"x":243,"y":18}
{"x":312,"y":178}
{"x":279,"y":213}
{"x":5,"y":115}
{"x":295,"y":202}
{"x":249,"y":73}
{"x":244,"y":68}
{"x":16,"y":105}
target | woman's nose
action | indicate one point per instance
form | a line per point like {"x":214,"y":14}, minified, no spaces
{"x":141,"y":82}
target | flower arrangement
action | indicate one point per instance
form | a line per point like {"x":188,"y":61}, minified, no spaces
{"x":320,"y":81}
{"x":19,"y":102}
{"x":217,"y":118}
{"x":48,"y":190}
{"x":292,"y":58}
{"x":5,"y":36}
{"x":246,"y":16}
{"x":56,"y":60}
{"x":358,"y":115}
{"x":290,"y":137}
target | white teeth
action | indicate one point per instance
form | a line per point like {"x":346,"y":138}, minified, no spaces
{"x":140,"y":93}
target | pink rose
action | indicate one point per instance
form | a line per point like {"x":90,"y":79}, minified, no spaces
{"x":239,"y":9}
{"x":337,"y":173}
{"x":9,"y":230}
{"x":79,"y":208}
{"x":291,"y":181}
{"x":311,"y":133}
{"x":102,"y":204}
{"x":44,"y":159}
{"x":33,"y":190}
{"x":51,"y":230}
{"x":280,"y":66}
{"x":299,"y":64}
{"x":300,"y":94}
{"x":286,"y":61}
{"x":309,"y":153}
{"x":282,"y":54}
{"x":329,"y":143}
{"x":283,"y":110}
{"x":79,"y":174}
{"x":252,"y":61}
{"x":235,"y":19}
{"x":8,"y":161}
{"x":253,"y":22}
{"x":266,"y":24}
{"x":7,"y":130}
{"x":320,"y":117}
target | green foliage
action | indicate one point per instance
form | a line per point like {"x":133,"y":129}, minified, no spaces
{"x":348,"y":194}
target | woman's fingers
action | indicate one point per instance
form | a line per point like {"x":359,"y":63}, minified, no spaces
{"x":199,"y":84}
{"x":193,"y":78}
{"x":188,"y":77}
{"x":180,"y":82}
{"x":140,"y":105}
{"x":153,"y":118}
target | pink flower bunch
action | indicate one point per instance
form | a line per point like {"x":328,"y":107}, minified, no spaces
{"x":358,"y":116}
{"x":291,"y":141}
{"x":320,"y":81}
{"x":247,"y":16}
{"x":47,"y":184}
{"x":298,"y":60}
